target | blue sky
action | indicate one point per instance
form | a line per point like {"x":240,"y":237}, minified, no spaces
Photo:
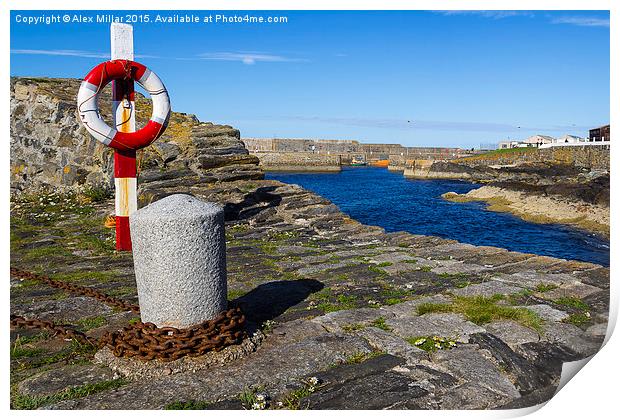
{"x":419,"y":78}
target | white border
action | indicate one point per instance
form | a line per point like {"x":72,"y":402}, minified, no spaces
{"x":592,"y":395}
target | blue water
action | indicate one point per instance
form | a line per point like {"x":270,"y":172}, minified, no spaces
{"x":375,"y":196}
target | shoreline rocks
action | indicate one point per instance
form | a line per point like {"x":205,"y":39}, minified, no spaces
{"x":539,"y":208}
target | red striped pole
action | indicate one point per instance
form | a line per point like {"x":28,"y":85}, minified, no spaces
{"x":123,"y":110}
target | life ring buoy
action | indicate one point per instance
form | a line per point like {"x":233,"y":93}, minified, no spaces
{"x":93,"y":84}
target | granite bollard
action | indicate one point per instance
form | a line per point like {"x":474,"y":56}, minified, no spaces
{"x":179,"y":254}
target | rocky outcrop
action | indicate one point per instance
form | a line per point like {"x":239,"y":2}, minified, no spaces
{"x":543,"y":192}
{"x":51,"y":149}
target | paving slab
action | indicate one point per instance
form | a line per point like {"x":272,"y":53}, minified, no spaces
{"x":335,"y":321}
{"x":447,"y":325}
{"x":317,"y":268}
{"x":488,"y":289}
{"x":512,"y":333}
{"x":471,"y":396}
{"x":531,"y":279}
{"x":271,"y":366}
{"x":575,"y":289}
{"x":71,"y":309}
{"x":598,"y":277}
{"x":597,"y":330}
{"x":391,"y":344}
{"x":457,"y":267}
{"x":523,"y":374}
{"x":392,"y":257}
{"x":468,"y":363}
{"x":573,"y":338}
{"x":547,"y":313}
{"x":385,"y":390}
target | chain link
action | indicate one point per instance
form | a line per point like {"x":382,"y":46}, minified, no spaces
{"x":143,"y":341}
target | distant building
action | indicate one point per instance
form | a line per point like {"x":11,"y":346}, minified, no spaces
{"x":569,"y":138}
{"x":600,"y":133}
{"x":538,"y":140}
{"x":508,"y":144}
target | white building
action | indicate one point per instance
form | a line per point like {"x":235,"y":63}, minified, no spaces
{"x":538,"y":140}
{"x":508,"y":144}
{"x":542,"y":141}
{"x":569,"y":138}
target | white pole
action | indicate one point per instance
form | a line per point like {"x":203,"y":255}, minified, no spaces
{"x":121,"y":41}
{"x":123,"y":110}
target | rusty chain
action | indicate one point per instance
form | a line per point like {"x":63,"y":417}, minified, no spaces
{"x":75,"y":289}
{"x":143,"y":341}
{"x":68,"y":333}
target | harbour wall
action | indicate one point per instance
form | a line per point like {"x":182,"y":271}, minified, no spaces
{"x":298,"y":161}
{"x":324,"y":155}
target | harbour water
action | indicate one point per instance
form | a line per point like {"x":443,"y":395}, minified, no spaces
{"x":375,"y":196}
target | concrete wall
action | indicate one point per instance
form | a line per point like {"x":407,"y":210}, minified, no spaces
{"x":298,"y":161}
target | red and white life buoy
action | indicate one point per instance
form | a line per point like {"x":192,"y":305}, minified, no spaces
{"x":88,"y":112}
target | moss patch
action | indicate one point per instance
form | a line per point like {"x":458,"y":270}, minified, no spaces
{"x":188,"y":405}
{"x":380,"y":323}
{"x":361,"y":357}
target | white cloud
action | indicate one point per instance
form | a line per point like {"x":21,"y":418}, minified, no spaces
{"x":492,"y":14}
{"x":248,"y":58}
{"x":68,"y":53}
{"x":501,"y":14}
{"x":581,"y":21}
{"x":413,"y":124}
{"x":72,"y":53}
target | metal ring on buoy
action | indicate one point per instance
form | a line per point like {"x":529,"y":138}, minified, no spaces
{"x":93,"y":84}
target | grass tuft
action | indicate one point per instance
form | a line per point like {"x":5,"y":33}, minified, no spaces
{"x":573,"y":302}
{"x":545,"y":287}
{"x":482,"y":310}
{"x":26,"y":402}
